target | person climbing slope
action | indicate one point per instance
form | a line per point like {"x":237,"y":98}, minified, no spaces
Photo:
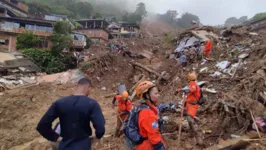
{"x":192,"y":105}
{"x":124,"y":107}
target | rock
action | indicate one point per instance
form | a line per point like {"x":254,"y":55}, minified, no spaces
{"x":242,"y":56}
{"x":103,"y":89}
{"x":98,"y":78}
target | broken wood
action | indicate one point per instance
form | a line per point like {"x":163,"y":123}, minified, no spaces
{"x":140,"y":80}
{"x":254,"y":139}
{"x":181,"y":120}
{"x":257,"y":129}
{"x":110,"y":95}
{"x":239,"y":63}
{"x":149,"y":70}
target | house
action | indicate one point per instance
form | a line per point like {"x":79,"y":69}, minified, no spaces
{"x":258,"y":25}
{"x":129,"y":30}
{"x":11,"y":27}
{"x":96,"y":29}
{"x":114,"y":30}
{"x":13,"y":8}
{"x":79,"y":40}
{"x":124,"y":30}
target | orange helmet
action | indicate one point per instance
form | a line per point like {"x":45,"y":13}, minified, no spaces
{"x":124,"y":95}
{"x":192,"y":76}
{"x":143,"y":87}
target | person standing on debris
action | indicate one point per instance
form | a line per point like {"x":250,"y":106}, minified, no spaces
{"x":148,"y":119}
{"x":207,"y":50}
{"x":124,"y":108}
{"x":183,"y":59}
{"x":75,"y":113}
{"x":193,"y":95}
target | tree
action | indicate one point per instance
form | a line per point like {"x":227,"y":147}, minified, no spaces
{"x":62,"y":27}
{"x":259,"y":16}
{"x":61,"y":38}
{"x":141,"y":10}
{"x":84,"y":9}
{"x":27,"y":40}
{"x":234,"y":21}
{"x":243,"y":19}
{"x":169,"y":17}
{"x":97,"y":15}
{"x":186,"y":19}
{"x":137,"y":16}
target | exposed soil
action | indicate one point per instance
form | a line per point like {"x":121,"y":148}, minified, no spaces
{"x":21,"y":109}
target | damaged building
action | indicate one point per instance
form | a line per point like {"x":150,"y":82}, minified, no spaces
{"x":96,"y":29}
{"x":124,"y":30}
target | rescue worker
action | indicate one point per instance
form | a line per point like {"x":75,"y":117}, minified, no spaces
{"x":193,"y":95}
{"x":75,"y":113}
{"x":123,"y":110}
{"x":148,"y":119}
{"x":207,"y":50}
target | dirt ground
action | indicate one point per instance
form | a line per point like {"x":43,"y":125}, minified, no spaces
{"x":21,"y":109}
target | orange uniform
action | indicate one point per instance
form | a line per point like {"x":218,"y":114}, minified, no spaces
{"x":149,"y":128}
{"x":123,"y":106}
{"x":192,"y":97}
{"x":208,"y":48}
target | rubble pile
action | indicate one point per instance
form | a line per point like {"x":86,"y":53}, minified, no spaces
{"x":234,"y":83}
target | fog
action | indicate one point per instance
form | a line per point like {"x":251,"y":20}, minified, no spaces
{"x":210,"y":12}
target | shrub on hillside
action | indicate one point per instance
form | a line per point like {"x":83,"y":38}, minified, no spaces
{"x":48,"y":62}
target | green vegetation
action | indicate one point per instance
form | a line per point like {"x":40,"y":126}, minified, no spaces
{"x":61,"y":38}
{"x":259,"y":16}
{"x":72,"y":8}
{"x":234,"y":21}
{"x":136,"y":16}
{"x":80,"y":9}
{"x":27,"y":40}
{"x":49,"y":62}
{"x":184,"y":21}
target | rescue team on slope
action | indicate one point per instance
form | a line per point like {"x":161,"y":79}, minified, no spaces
{"x":141,"y":123}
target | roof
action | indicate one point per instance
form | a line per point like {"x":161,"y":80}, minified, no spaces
{"x":129,"y":25}
{"x":91,"y":20}
{"x":13,"y":5}
{"x":75,"y":32}
{"x":114,"y":26}
{"x":29,"y":20}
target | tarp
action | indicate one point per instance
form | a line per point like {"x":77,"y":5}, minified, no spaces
{"x":186,"y":42}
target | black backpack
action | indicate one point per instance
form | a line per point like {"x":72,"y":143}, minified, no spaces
{"x":201,"y":100}
{"x":131,"y":127}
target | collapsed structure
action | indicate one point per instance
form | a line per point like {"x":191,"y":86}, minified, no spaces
{"x":234,"y":88}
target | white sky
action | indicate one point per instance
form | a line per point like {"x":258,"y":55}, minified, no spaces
{"x":210,"y":12}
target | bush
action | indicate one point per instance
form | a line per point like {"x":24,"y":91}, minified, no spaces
{"x":27,"y":40}
{"x":50,"y":63}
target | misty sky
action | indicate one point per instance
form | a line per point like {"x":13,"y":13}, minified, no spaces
{"x":211,"y":12}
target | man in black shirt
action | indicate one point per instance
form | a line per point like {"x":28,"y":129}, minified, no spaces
{"x":75,"y":113}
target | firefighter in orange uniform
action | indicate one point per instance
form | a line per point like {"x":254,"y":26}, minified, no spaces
{"x":124,"y":107}
{"x":193,"y":95}
{"x":148,"y":119}
{"x":207,"y":50}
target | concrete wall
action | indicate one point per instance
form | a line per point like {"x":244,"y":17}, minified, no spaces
{"x":11,"y":40}
{"x":95,"y":33}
